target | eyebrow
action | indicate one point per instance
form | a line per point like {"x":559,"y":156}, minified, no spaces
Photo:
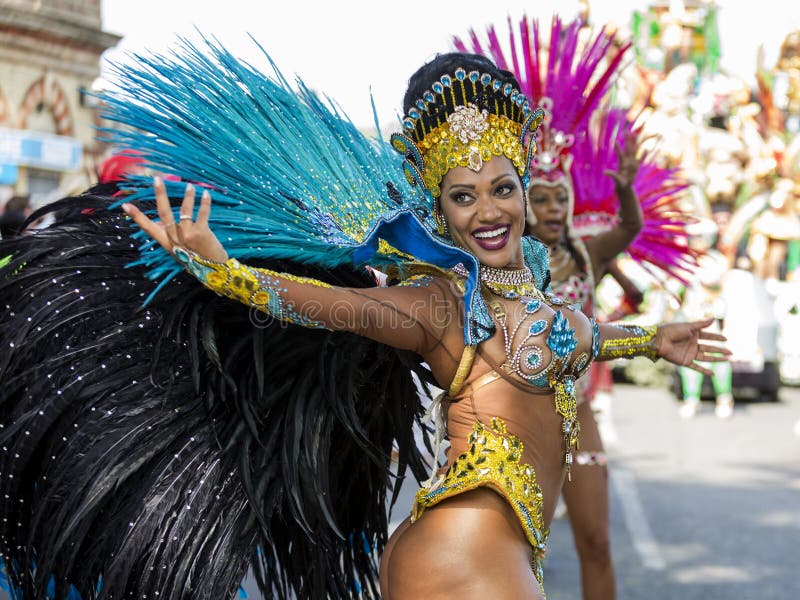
{"x":471,"y":186}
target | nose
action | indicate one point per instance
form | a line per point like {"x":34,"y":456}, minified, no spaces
{"x":488,"y":211}
{"x":554,"y":206}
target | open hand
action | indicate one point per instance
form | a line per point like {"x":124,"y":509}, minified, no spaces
{"x":186,"y":232}
{"x":680,"y":343}
{"x":628,"y":165}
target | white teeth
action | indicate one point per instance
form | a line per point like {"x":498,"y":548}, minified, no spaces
{"x":490,"y":234}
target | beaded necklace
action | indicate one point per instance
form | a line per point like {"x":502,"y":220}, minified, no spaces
{"x":511,"y":284}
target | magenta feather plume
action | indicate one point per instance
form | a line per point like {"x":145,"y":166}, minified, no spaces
{"x":576,"y":74}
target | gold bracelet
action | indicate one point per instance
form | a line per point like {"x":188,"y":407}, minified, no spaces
{"x":638,"y":341}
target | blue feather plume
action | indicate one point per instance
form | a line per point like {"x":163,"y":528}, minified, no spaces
{"x":291,"y":177}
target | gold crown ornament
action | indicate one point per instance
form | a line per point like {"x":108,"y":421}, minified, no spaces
{"x":464,"y":120}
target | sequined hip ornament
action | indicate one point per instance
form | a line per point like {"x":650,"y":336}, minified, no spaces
{"x":493,"y":460}
{"x":567,"y":407}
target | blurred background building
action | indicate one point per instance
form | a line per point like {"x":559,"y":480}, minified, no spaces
{"x":49,"y":59}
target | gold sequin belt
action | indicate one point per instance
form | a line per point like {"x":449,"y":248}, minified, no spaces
{"x":493,"y":460}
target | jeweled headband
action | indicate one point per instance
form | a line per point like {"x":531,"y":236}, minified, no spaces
{"x":464,"y":120}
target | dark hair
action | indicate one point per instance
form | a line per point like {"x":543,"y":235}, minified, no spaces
{"x":446,"y":64}
{"x":18,"y":203}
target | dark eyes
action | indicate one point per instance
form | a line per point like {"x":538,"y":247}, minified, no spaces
{"x":561,"y":199}
{"x":502,"y":190}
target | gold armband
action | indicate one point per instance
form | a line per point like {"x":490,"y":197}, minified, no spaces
{"x":638,"y":341}
{"x":262,"y":289}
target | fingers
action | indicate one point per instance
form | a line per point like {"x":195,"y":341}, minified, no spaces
{"x":701,"y":369}
{"x":618,"y":148}
{"x":154,"y":230}
{"x":205,"y":208}
{"x":714,"y":350}
{"x":162,"y":201}
{"x":187,"y":206}
{"x":710,"y":335}
{"x":702,"y":324}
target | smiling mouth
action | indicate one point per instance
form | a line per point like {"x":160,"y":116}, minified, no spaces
{"x":492,"y":238}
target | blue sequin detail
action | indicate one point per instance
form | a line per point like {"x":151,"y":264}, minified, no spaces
{"x":532,"y":305}
{"x":534,"y":360}
{"x":539,"y":380}
{"x":562,"y":340}
{"x":528,"y":519}
{"x":595,"y":339}
{"x":441,"y":490}
{"x":537,"y":327}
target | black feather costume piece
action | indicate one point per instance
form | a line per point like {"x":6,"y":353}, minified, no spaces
{"x":160,"y":452}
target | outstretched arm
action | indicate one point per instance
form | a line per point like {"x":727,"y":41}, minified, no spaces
{"x":409,"y":318}
{"x":679,"y":343}
{"x":606,"y":246}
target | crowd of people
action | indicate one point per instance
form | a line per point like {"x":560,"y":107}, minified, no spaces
{"x":218,"y":369}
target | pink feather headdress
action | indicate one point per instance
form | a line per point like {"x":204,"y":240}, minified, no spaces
{"x":570,"y":79}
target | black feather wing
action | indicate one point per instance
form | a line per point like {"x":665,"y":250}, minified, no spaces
{"x":163,"y":451}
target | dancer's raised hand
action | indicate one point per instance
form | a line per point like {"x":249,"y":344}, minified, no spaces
{"x":187,"y":232}
{"x":681,"y":344}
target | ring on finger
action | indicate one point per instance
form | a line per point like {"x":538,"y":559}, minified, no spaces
{"x":186,"y":217}
{"x":170,"y":224}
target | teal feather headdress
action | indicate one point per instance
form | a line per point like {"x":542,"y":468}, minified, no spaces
{"x":291,"y":177}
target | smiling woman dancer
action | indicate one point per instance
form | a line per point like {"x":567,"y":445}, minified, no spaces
{"x":171,"y":502}
{"x":511,"y":408}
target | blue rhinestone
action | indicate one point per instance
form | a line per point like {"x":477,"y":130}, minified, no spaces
{"x":511,"y":295}
{"x":507,"y":89}
{"x":538,"y":327}
{"x":428,"y":96}
{"x":474,"y":76}
{"x":514,"y":95}
{"x":534,"y":360}
{"x":486,"y":79}
{"x":413,"y":113}
{"x":446,"y":80}
{"x":437,"y":87}
{"x":408,"y":124}
{"x":460,"y":74}
{"x":497,"y":84}
{"x":421,"y":104}
{"x":532,"y":306}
